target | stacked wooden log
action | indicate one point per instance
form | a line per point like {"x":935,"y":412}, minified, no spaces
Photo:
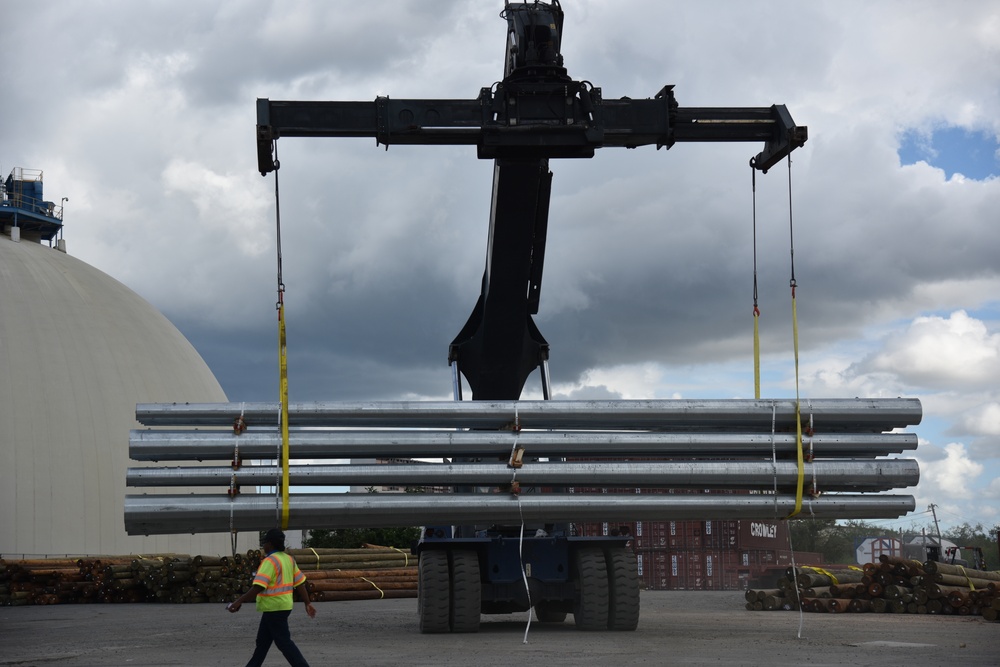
{"x":894,"y":585}
{"x":332,"y":574}
{"x":154,"y":578}
{"x":370,"y":573}
{"x":191,"y":579}
{"x":43,"y":581}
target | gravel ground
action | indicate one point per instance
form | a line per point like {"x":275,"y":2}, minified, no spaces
{"x":676,"y":628}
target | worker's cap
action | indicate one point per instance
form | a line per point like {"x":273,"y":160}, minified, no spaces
{"x":274,"y":536}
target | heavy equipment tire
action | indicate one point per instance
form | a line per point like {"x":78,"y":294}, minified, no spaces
{"x":466,"y":591}
{"x":545,"y":614}
{"x":591,"y":609}
{"x":433,"y":591}
{"x":623,"y":589}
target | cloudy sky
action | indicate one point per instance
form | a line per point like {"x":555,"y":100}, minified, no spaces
{"x":143,"y":115}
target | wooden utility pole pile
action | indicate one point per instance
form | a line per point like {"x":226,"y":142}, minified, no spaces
{"x":894,"y":585}
{"x":150,"y":578}
{"x":371,"y":573}
{"x":332,"y":574}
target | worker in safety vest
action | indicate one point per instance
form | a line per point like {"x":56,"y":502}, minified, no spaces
{"x":277,"y":577}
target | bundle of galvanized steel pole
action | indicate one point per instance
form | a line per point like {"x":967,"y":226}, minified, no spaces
{"x":895,"y":585}
{"x":837,"y":468}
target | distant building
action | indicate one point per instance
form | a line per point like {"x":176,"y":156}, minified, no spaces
{"x":78,"y":350}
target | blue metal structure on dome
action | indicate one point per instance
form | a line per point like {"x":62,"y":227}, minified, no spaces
{"x":23,"y":207}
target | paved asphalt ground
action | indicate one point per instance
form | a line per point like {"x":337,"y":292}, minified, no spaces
{"x":676,"y":628}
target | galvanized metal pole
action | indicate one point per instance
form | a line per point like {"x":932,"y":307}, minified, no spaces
{"x":202,"y":445}
{"x":829,"y":415}
{"x":183,"y":513}
{"x":838,"y":475}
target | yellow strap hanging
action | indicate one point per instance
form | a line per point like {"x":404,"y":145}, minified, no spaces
{"x":795,"y":345}
{"x":283,"y":363}
{"x":756,"y":353}
{"x":966,"y":575}
{"x":374,"y":585}
{"x":406,"y":556}
{"x":282,"y":352}
{"x":798,"y":415}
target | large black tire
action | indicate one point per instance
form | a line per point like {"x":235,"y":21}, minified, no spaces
{"x":433,"y":591}
{"x":623,"y":590}
{"x":591,"y":609}
{"x":466,"y":591}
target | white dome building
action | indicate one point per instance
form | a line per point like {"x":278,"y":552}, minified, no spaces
{"x":78,"y":350}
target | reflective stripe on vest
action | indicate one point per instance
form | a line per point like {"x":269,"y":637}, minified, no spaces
{"x":279,"y":584}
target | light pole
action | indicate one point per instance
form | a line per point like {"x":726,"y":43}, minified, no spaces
{"x":62,"y":214}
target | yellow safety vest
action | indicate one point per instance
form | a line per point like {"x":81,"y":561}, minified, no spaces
{"x":278,"y":575}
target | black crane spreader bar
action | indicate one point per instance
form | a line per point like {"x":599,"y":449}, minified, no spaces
{"x":571,"y":122}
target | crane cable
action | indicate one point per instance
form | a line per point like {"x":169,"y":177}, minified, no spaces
{"x":282,"y":356}
{"x":795,"y":346}
{"x":756,"y":309}
{"x":800,"y":458}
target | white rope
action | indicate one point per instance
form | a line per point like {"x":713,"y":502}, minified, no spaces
{"x":520,"y":545}
{"x":795,"y":579}
{"x":524,"y":575}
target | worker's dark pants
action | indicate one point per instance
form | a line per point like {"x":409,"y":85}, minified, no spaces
{"x":274,"y":628}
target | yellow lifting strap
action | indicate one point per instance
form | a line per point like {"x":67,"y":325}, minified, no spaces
{"x":795,"y":332}
{"x":756,"y":353}
{"x":798,"y":413}
{"x":282,"y":350}
{"x":283,"y":365}
{"x":795,"y":346}
{"x":819,"y":570}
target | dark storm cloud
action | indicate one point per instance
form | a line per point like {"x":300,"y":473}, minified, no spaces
{"x":143,"y":115}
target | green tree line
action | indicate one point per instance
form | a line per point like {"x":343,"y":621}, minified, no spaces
{"x":837,"y":540}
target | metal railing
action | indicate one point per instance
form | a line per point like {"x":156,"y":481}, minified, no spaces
{"x":12,"y":194}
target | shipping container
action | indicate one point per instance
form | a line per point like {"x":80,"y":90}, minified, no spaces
{"x":712,"y":569}
{"x":704,"y":554}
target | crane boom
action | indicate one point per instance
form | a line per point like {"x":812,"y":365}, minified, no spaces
{"x":536,"y":113}
{"x":570,"y":120}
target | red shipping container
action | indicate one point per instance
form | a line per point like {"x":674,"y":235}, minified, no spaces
{"x":653,"y":571}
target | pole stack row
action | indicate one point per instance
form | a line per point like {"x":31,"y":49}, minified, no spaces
{"x":537,"y":459}
{"x":331,"y":574}
{"x":894,"y":585}
{"x":176,"y":578}
{"x":372,"y":573}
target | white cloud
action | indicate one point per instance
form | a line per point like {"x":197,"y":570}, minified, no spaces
{"x":935,"y":351}
{"x":982,"y":419}
{"x":954,"y":477}
{"x":629,"y":381}
{"x":227,"y":204}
